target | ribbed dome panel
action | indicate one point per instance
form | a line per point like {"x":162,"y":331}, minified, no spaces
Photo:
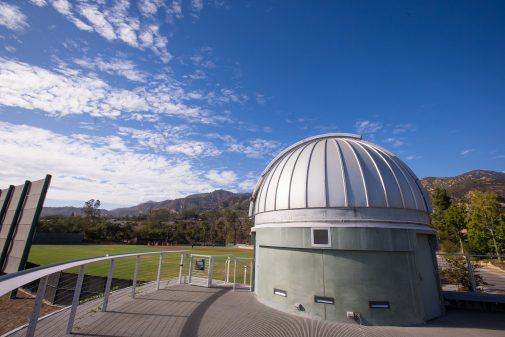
{"x":337,"y":171}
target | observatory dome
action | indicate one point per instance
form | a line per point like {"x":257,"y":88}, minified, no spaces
{"x":338,"y":176}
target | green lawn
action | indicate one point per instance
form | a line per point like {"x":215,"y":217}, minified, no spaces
{"x":124,"y":267}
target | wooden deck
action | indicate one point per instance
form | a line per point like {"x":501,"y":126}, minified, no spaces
{"x":189,"y":311}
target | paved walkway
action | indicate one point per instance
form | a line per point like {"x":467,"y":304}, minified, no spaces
{"x":189,"y":311}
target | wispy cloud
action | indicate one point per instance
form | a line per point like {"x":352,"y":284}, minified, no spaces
{"x":466,"y":152}
{"x":366,"y":127}
{"x":113,"y":171}
{"x":393,"y":141}
{"x":31,"y":87}
{"x":223,"y":178}
{"x":196,"y":7}
{"x":114,"y":22}
{"x":403,"y":128}
{"x":12,"y":17}
{"x":119,"y":66}
{"x":253,"y":148}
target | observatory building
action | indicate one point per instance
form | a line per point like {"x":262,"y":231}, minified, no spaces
{"x":341,"y":231}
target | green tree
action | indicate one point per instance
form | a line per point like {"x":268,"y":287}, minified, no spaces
{"x":91,"y":211}
{"x":441,"y":201}
{"x":455,"y":222}
{"x":484,"y":215}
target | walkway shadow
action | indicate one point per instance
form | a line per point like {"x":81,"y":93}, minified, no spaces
{"x":190,"y":328}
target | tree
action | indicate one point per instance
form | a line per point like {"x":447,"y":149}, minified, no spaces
{"x":455,"y":222}
{"x":441,"y":202}
{"x":484,"y":214}
{"x":91,"y":210}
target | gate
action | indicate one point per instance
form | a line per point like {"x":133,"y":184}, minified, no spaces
{"x":209,"y":270}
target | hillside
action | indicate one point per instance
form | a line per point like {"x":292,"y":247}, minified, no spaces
{"x":199,"y":202}
{"x":458,"y":186}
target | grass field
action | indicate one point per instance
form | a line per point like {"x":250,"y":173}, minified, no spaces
{"x":124,"y":267}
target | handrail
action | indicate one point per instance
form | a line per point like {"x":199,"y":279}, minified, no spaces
{"x":471,"y":255}
{"x":13,"y":281}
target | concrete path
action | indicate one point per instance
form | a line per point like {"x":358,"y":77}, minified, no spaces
{"x":189,"y":311}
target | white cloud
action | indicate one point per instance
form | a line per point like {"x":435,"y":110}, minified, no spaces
{"x":247,"y":185}
{"x":196,"y":7}
{"x":98,"y":21}
{"x":118,"y":66}
{"x":413,"y":157}
{"x":194,"y":148}
{"x":114,"y":22}
{"x":12,"y":17}
{"x":395,"y":142}
{"x":149,"y":7}
{"x":367,"y":127}
{"x":65,"y":8}
{"x":223,"y":178}
{"x":466,"y":152}
{"x":30,"y":87}
{"x":254,"y":148}
{"x":40,"y":3}
{"x":175,"y":9}
{"x":171,"y":139}
{"x":85,"y":167}
{"x":402,"y":128}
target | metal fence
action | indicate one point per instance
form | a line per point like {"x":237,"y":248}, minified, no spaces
{"x":93,"y":279}
{"x":472,"y":273}
{"x":91,"y":283}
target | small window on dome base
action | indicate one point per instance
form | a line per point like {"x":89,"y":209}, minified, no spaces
{"x":320,"y":237}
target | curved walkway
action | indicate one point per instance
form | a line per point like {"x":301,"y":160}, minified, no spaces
{"x":189,"y":311}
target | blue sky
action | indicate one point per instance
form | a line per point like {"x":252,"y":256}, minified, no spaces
{"x":129,"y":101}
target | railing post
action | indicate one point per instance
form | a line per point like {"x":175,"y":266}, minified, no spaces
{"x":159,"y":272}
{"x":234,"y":272}
{"x":75,"y":300}
{"x":211,"y":271}
{"x":190,"y":269}
{"x":135,"y":275}
{"x":250,"y":276}
{"x":107,"y":286}
{"x":30,"y":331}
{"x":228,"y":262}
{"x":245,"y":274}
{"x":470,"y":272}
{"x":181,"y":265}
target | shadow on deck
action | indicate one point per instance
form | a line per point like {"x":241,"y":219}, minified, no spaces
{"x":189,"y":311}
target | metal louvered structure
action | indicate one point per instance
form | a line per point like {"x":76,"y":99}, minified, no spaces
{"x":339,"y":171}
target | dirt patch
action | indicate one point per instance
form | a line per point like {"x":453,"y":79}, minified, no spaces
{"x":16,"y":312}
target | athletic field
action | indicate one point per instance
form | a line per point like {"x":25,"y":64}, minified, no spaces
{"x":124,"y":267}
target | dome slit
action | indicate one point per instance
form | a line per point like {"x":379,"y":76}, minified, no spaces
{"x":360,"y":170}
{"x":343,"y":170}
{"x":392,"y":158}
{"x":292,"y":173}
{"x":280,"y":176}
{"x":392,"y":172}
{"x":326,"y":192}
{"x":308,"y":175}
{"x":378,"y":172}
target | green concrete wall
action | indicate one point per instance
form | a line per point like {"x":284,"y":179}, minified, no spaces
{"x":363,"y":264}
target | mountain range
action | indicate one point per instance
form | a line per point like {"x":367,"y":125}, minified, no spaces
{"x":457,"y":187}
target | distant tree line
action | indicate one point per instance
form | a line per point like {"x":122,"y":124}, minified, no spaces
{"x":473,"y":225}
{"x":223,"y":226}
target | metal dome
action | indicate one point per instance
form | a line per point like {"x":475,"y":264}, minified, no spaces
{"x":339,"y":171}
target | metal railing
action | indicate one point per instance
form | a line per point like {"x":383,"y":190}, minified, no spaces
{"x":471,"y":273}
{"x":77,"y":281}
